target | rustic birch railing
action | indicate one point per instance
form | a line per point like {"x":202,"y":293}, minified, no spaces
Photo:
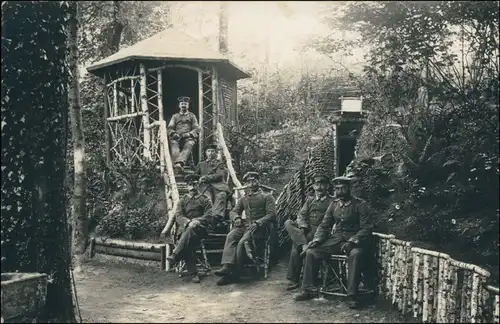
{"x":171,"y":192}
{"x":432,"y":286}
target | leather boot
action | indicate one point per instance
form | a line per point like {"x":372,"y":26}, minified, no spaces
{"x":224,"y":271}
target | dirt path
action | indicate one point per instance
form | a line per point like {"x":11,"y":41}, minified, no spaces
{"x":124,"y":292}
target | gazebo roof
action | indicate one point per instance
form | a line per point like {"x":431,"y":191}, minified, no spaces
{"x":170,"y":44}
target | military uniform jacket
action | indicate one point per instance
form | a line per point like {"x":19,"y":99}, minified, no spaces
{"x":313,"y":211}
{"x":197,"y":207}
{"x":215,"y":172}
{"x":346,"y":221}
{"x":184,"y":123}
{"x":258,"y":206}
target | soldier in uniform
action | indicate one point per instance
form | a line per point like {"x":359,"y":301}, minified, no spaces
{"x":213,"y":181}
{"x":302,"y":230}
{"x":193,"y":218}
{"x":183,"y":131}
{"x":260,"y":210}
{"x":346,"y":228}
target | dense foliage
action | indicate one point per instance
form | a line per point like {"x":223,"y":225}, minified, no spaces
{"x":34,"y":231}
{"x":431,"y":84}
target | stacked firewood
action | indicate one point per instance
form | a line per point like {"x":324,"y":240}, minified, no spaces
{"x":321,"y":161}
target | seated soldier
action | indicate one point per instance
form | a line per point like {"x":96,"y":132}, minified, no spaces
{"x":302,"y":231}
{"x":346,"y":228}
{"x":260,"y":211}
{"x":213,"y":182}
{"x":183,"y":131}
{"x":193,"y":218}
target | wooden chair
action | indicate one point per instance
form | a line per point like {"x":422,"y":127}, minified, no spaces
{"x":334,"y":277}
{"x":202,"y":263}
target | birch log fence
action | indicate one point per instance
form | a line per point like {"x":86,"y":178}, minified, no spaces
{"x":433,"y":287}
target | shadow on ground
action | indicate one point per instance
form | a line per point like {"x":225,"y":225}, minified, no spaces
{"x":114,"y":291}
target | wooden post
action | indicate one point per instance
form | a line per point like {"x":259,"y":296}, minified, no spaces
{"x":145,"y":117}
{"x":444,"y":289}
{"x":475,"y":300}
{"x":200,"y":116}
{"x":160,"y":95}
{"x":106,"y":125}
{"x":92,"y":248}
{"x":168,"y":252}
{"x":433,"y":288}
{"x":132,"y":91}
{"x":215,"y":97}
{"x":427,"y":281}
{"x":115,"y":99}
{"x":416,"y":284}
{"x":163,"y":258}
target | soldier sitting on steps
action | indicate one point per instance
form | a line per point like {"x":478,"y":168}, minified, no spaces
{"x":193,"y":218}
{"x":183,"y":132}
{"x":213,"y":174}
{"x":260,"y":210}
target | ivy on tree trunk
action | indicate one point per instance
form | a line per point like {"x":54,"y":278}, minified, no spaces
{"x":34,"y":235}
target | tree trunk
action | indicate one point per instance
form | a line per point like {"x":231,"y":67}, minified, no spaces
{"x":78,"y":212}
{"x":113,"y":32}
{"x":223,"y":27}
{"x":34,"y":235}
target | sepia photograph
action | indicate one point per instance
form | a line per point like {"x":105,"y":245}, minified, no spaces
{"x":250,"y":162}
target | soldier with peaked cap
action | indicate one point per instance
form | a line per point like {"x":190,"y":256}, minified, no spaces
{"x":302,"y":230}
{"x":260,"y":211}
{"x":347,"y":229}
{"x":183,"y":132}
{"x":193,"y":218}
{"x":213,"y":181}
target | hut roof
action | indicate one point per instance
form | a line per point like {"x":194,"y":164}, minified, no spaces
{"x":170,"y":44}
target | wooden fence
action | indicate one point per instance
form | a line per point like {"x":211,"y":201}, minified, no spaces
{"x":432,"y":286}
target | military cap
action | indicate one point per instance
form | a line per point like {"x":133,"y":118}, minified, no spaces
{"x":211,"y":147}
{"x":342,"y":180}
{"x":184,"y":99}
{"x":192,"y":177}
{"x":252,"y":175}
{"x":320,"y":178}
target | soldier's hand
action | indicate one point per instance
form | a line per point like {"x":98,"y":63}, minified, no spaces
{"x":203,"y":179}
{"x":253,"y":227}
{"x":310,"y":245}
{"x":347,"y":247}
{"x":175,"y":136}
{"x":194,"y":223}
{"x":237,"y":222}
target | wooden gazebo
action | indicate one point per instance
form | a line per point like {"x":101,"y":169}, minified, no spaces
{"x":142,"y":83}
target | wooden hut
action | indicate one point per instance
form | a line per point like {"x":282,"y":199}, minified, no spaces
{"x":142,"y":83}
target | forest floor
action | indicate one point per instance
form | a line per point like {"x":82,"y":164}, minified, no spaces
{"x":113,"y":290}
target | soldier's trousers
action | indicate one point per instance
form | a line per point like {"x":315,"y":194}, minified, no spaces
{"x":234,"y":249}
{"x":298,"y":238}
{"x":331,"y":246}
{"x":179,"y":155}
{"x":187,"y":245}
{"x":219,"y":200}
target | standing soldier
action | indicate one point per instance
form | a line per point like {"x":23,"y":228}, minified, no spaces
{"x":346,"y":229}
{"x":193,"y":218}
{"x":183,"y":131}
{"x":213,"y":182}
{"x":302,"y":231}
{"x":260,"y":210}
